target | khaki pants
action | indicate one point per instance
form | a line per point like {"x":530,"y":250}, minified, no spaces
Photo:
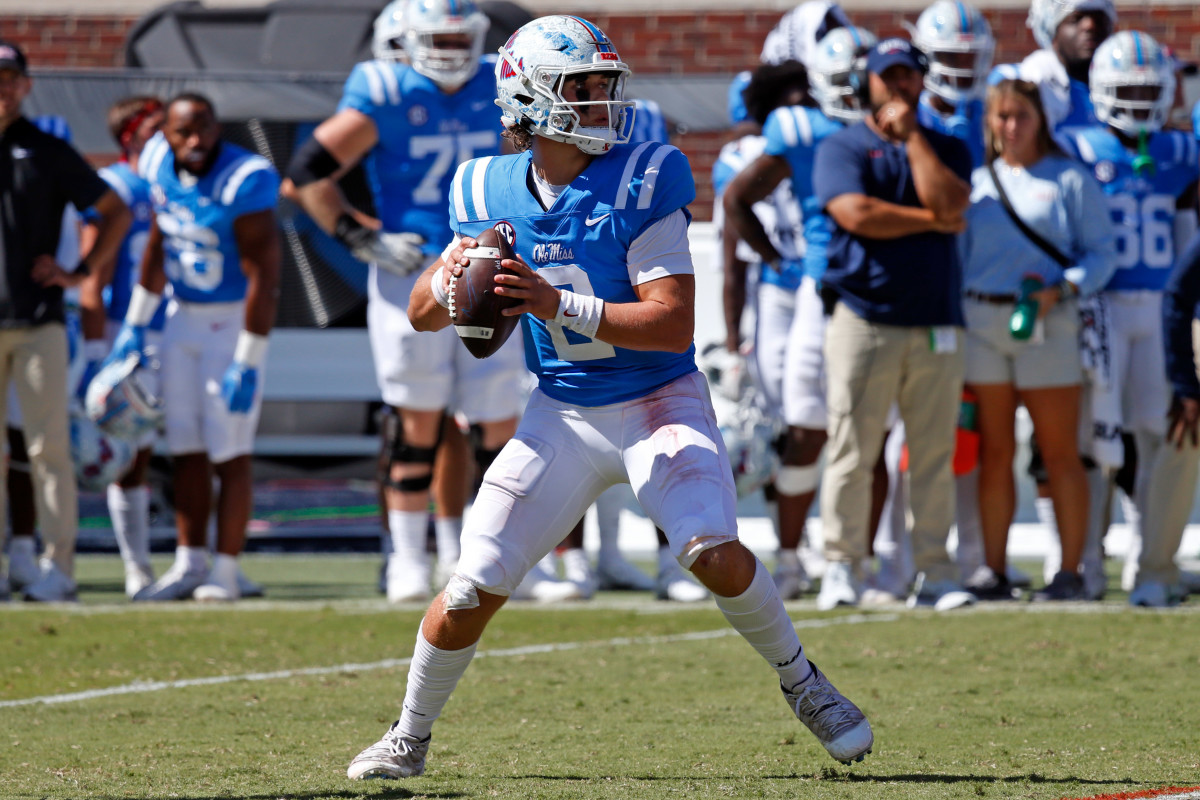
{"x":35,"y":360}
{"x":869,"y":366}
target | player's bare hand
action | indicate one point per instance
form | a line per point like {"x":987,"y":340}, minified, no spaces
{"x":897,"y":119}
{"x":954,"y":224}
{"x":539,"y":297}
{"x":1183,"y":422}
{"x":47,"y":272}
{"x":455,"y":260}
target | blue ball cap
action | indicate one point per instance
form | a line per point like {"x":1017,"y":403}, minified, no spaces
{"x":893,"y":51}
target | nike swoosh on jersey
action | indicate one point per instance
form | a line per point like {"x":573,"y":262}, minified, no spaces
{"x":590,"y":221}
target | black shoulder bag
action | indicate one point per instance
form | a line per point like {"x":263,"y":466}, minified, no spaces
{"x":1029,"y":232}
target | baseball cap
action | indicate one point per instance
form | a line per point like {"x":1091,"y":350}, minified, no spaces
{"x":11,"y":57}
{"x":893,"y":51}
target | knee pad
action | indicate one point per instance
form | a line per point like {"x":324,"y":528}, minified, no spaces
{"x":792,"y":480}
{"x":18,"y":465}
{"x":484,"y":457}
{"x":399,"y":452}
{"x":1126,"y":478}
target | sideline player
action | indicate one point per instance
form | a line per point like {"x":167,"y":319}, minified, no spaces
{"x":412,"y":124}
{"x":214,"y":238}
{"x":1150,"y":177}
{"x":619,"y":397}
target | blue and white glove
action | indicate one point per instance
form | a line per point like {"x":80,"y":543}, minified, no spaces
{"x":94,"y":353}
{"x":132,"y":337}
{"x":399,"y":253}
{"x":240,"y":384}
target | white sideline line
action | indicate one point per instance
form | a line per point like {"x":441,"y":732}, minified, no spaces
{"x":141,"y":687}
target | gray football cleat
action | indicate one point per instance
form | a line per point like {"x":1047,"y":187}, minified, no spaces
{"x":837,"y":723}
{"x":393,"y":756}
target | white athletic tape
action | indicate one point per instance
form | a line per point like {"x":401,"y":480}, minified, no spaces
{"x":792,"y":480}
{"x":142,"y":687}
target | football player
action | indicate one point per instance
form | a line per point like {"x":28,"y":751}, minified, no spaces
{"x":423,"y":106}
{"x":606,"y":290}
{"x":215,"y":241}
{"x":958,"y":42}
{"x":791,"y":135}
{"x":1150,"y":176}
{"x":1068,"y":31}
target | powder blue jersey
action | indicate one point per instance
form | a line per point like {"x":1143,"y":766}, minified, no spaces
{"x":135,"y":191}
{"x":1142,"y":206}
{"x":965,"y":122}
{"x":581,"y":244}
{"x":424,"y":134}
{"x":196,"y":215}
{"x":792,"y":133}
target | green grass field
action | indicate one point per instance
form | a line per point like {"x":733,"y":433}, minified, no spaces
{"x":622,"y":697}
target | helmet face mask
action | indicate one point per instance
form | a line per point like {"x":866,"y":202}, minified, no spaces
{"x":538,"y":67}
{"x":838,"y":74}
{"x":1132,"y":83}
{"x":123,"y":399}
{"x":960,"y":46}
{"x":442,"y":39}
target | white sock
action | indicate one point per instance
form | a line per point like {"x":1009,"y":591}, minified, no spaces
{"x":192,"y":559}
{"x":759,"y":616}
{"x":23,"y":546}
{"x":409,"y":530}
{"x":773,"y":515}
{"x":130,"y":513}
{"x":447,"y":531}
{"x":608,"y":520}
{"x":666,"y":559}
{"x":224,"y":571}
{"x":432,"y":677}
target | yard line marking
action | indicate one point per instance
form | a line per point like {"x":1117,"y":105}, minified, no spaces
{"x":142,"y":687}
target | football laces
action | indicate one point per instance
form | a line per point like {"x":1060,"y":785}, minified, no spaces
{"x":450,"y":296}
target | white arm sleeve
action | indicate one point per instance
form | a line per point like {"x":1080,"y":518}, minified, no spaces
{"x":661,"y":250}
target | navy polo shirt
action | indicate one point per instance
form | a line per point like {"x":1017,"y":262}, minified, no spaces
{"x":909,"y":281}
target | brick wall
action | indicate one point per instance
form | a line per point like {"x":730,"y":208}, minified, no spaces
{"x":672,"y":43}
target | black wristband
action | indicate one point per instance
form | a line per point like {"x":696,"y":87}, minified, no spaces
{"x":351,"y":232}
{"x":311,"y":163}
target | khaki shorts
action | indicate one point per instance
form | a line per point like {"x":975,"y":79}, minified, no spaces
{"x":994,"y":356}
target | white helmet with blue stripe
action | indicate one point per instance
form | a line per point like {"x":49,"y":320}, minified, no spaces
{"x":1132,"y":83}
{"x":124,"y":400}
{"x":838,"y":73}
{"x":411,"y":29}
{"x":959,"y":44}
{"x":530,"y":76}
{"x":1046,"y":15}
{"x":99,"y":459}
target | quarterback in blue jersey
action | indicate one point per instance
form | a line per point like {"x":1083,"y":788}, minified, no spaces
{"x":958,"y":42}
{"x":214,"y":240}
{"x":1150,"y":176}
{"x":791,"y":134}
{"x":423,"y":106}
{"x":103,"y":301}
{"x":606,"y":298}
{"x":1068,"y":32}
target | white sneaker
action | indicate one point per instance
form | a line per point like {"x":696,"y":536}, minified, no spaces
{"x":839,"y":587}
{"x":393,"y":756}
{"x":615,"y":574}
{"x":790,"y":579}
{"x":578,"y":570}
{"x":213,"y":592}
{"x":137,"y":577}
{"x":675,"y":585}
{"x":53,"y":586}
{"x":177,"y":583}
{"x":838,"y":724}
{"x":23,"y":569}
{"x":943,"y":595}
{"x":407,"y":579}
{"x":541,"y":588}
{"x":1153,"y":594}
{"x":247,"y":587}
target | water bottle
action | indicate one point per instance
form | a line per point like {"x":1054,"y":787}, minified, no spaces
{"x":1024,"y":316}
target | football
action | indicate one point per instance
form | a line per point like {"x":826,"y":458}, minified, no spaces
{"x":474,"y":305}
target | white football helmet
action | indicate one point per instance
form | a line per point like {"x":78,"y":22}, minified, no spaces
{"x":1132,"y":83}
{"x":749,"y":436}
{"x":1046,"y":15}
{"x":838,"y":74}
{"x":959,"y":43}
{"x":409,"y":29}
{"x":533,"y":67}
{"x":123,"y":399}
{"x":99,"y":459}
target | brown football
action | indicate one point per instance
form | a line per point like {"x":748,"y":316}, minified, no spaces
{"x":474,"y":305}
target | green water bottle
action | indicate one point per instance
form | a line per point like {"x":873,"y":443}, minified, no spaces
{"x":1024,"y":316}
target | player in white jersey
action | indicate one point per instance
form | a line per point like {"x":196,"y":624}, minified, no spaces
{"x":215,"y":240}
{"x":606,"y":290}
{"x":423,"y":106}
{"x":1150,"y":176}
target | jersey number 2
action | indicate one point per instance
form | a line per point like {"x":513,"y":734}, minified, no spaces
{"x":573,"y":279}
